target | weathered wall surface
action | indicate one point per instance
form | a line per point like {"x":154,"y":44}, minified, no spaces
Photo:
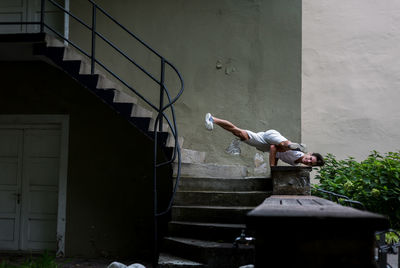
{"x":240,"y":60}
{"x":351,"y":77}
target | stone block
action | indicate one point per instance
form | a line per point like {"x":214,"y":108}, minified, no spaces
{"x":291,"y":180}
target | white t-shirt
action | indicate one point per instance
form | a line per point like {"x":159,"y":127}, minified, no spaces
{"x":289,"y":156}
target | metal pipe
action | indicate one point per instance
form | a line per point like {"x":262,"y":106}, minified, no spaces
{"x":155,"y":222}
{"x":66,"y":22}
{"x":42,"y":6}
{"x":162,"y":80}
{"x":93,"y":55}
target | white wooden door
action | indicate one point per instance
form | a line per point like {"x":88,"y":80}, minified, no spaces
{"x":29,"y":11}
{"x":31,"y":211}
{"x":40,"y":178}
{"x":13,"y":10}
{"x":10,"y":187}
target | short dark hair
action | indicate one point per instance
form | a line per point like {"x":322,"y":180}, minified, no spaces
{"x":320,"y":159}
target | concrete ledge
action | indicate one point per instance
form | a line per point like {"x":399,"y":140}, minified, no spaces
{"x":314,"y":232}
{"x":312,"y":209}
{"x":290,"y":168}
{"x":291,"y":180}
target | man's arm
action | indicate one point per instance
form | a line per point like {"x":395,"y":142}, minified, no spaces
{"x":273,"y":161}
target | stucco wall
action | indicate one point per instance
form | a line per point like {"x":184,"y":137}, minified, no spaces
{"x":240,"y":60}
{"x":350,"y":76}
{"x":109,"y":184}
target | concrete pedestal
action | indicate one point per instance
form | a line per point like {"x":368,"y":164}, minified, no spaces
{"x":291,"y":180}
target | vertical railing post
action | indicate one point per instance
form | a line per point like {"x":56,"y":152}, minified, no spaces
{"x":382,"y":254}
{"x":398,"y":256}
{"x":42,"y":16}
{"x":160,"y":127}
{"x":93,"y":56}
{"x":155,"y":207}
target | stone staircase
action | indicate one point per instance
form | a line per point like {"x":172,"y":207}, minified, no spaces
{"x":209,"y":213}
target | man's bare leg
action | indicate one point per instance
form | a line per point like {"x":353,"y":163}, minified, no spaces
{"x":225,"y":124}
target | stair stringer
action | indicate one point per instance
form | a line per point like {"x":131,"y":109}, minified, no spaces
{"x":75,"y":64}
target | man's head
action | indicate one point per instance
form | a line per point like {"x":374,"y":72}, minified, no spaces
{"x":312,"y":159}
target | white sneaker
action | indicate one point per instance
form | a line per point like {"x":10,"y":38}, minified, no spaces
{"x":209,"y":122}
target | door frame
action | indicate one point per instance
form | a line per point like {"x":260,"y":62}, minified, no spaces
{"x":63,"y":121}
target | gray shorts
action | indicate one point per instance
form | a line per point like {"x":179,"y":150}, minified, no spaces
{"x":262,"y":140}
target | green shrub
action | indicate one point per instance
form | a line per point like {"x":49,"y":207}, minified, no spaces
{"x":375,"y":182}
{"x":44,"y":261}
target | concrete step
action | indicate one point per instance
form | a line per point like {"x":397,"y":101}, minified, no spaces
{"x":201,"y":170}
{"x":192,"y":156}
{"x":123,"y":97}
{"x":212,"y":254}
{"x":206,"y":231}
{"x":213,"y":198}
{"x":210,"y":214}
{"x":170,"y":261}
{"x":224,"y":184}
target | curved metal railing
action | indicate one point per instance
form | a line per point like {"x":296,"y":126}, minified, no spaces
{"x":340,"y":199}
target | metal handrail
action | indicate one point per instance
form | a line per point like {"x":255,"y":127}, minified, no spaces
{"x":160,"y":109}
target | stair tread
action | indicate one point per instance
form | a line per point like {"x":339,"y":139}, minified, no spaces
{"x":227,"y":225}
{"x":225,"y":192}
{"x":184,"y":176}
{"x":205,"y":243}
{"x":167,"y":259}
{"x":217,"y":207}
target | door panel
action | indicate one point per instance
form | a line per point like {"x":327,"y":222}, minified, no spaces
{"x":7,"y":233}
{"x":10,"y":187}
{"x":43,"y":201}
{"x":41,"y":231}
{"x":29,"y":179}
{"x":13,"y":10}
{"x":42,"y":171}
{"x":29,"y":10}
{"x":40,"y":188}
{"x":8,"y":170}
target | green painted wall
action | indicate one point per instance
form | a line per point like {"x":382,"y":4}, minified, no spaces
{"x":351,"y":77}
{"x":109,"y":185}
{"x":241,"y":60}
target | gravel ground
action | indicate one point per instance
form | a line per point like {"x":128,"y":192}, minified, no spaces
{"x":393,"y":260}
{"x":16,"y":259}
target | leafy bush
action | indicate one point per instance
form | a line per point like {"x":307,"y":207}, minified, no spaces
{"x":375,"y":182}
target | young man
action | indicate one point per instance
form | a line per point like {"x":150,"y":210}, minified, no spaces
{"x":269,"y":141}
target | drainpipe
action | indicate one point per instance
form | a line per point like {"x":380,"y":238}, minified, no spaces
{"x":66,"y":22}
